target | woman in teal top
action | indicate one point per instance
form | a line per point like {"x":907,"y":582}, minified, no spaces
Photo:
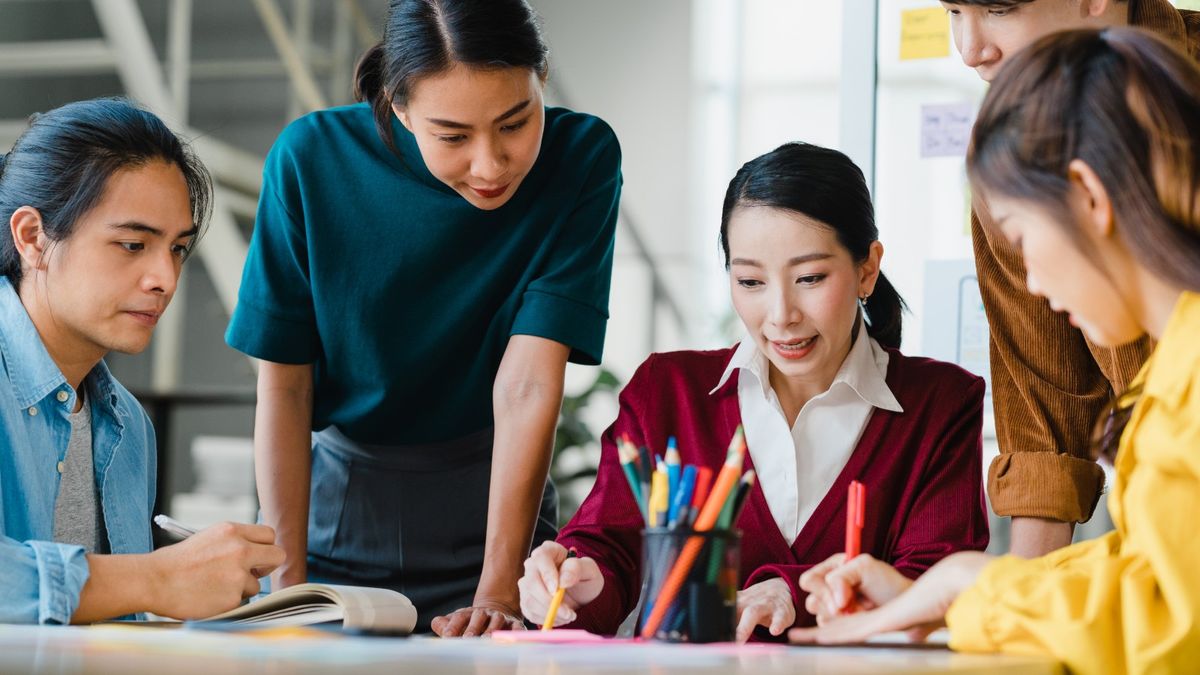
{"x":423,"y":266}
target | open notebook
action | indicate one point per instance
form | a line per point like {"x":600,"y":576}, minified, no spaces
{"x":355,"y":607}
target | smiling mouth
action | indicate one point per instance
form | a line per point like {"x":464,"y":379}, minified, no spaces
{"x":794,"y":345}
{"x":490,"y":193}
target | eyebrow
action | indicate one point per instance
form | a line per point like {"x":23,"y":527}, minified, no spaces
{"x":459,"y":125}
{"x":798,"y":260}
{"x":134,"y":226}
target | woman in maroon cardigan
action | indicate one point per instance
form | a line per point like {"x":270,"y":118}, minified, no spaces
{"x":824,"y":397}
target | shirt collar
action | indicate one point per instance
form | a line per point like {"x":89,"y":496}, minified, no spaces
{"x":864,"y":370}
{"x":31,"y":372}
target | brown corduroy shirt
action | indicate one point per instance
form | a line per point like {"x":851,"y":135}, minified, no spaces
{"x":1049,"y":383}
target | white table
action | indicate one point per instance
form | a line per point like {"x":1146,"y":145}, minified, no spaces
{"x":119,"y":649}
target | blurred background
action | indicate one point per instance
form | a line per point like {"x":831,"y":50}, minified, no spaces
{"x":693,"y":88}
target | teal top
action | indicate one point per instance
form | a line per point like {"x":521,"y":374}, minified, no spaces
{"x":400,"y":292}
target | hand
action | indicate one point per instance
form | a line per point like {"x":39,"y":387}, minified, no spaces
{"x":479,"y":619}
{"x":213,"y":570}
{"x":920,"y":609}
{"x":767,"y":603}
{"x":546,"y":570}
{"x":292,"y":572}
{"x":836,"y":587}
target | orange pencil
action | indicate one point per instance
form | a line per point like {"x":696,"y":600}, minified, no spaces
{"x":856,"y":504}
{"x":725,"y":482}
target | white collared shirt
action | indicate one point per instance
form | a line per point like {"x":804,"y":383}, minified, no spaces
{"x":796,"y":467}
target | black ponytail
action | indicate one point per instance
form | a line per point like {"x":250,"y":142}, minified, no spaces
{"x":884,"y":308}
{"x":61,"y":165}
{"x":425,"y":37}
{"x":368,"y":86}
{"x":827,"y":186}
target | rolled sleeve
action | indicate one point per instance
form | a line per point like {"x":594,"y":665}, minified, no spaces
{"x":1049,"y":386}
{"x":40,"y":582}
{"x":275,"y":319}
{"x":1045,"y":485}
{"x":577,"y":325}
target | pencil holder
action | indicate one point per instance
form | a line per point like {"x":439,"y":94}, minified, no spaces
{"x":691,"y":584}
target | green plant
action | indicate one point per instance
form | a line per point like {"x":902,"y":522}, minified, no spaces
{"x":571,"y":471}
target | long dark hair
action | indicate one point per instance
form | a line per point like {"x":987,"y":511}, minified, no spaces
{"x":61,"y":164}
{"x":1127,"y":104}
{"x":425,"y":37}
{"x":828,"y":187}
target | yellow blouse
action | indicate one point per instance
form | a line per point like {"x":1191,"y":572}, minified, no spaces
{"x":1127,"y":601}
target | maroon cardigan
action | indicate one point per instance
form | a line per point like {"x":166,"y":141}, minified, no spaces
{"x":922,"y":469}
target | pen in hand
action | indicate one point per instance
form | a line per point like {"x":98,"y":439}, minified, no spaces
{"x":173,"y":527}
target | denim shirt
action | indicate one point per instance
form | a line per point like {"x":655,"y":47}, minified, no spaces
{"x":40,"y":580}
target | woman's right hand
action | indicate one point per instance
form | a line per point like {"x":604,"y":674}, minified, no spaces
{"x":213,"y":570}
{"x":836,"y":587}
{"x":546,"y":570}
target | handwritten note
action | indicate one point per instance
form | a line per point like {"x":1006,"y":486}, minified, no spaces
{"x":924,"y":34}
{"x":946,"y":129}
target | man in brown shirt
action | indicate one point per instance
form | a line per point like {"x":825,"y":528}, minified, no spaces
{"x":1049,"y":384}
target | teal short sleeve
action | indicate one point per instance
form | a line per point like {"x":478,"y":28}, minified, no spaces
{"x":567,"y":301}
{"x":274,"y":319}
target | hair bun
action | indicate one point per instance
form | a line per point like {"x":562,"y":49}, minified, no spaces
{"x":368,"y":75}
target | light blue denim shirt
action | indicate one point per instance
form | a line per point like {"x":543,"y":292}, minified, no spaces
{"x":40,"y":581}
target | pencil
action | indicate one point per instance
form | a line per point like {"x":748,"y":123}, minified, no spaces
{"x":552,"y":613}
{"x":729,"y":515}
{"x":703,"y":483}
{"x":683,"y":497}
{"x":658,"y":499}
{"x":628,"y":458}
{"x":705,"y":521}
{"x":673,"y":468}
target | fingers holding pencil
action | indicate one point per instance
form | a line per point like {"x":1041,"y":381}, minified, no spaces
{"x":548,"y":570}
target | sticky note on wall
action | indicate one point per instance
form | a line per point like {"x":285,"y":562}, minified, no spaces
{"x":946,"y":129}
{"x":924,"y":34}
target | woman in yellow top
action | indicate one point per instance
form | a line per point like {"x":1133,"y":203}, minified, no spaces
{"x":1087,"y":151}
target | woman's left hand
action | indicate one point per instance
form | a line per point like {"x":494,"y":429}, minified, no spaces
{"x":477,"y":620}
{"x":919,"y":610}
{"x":767,"y":603}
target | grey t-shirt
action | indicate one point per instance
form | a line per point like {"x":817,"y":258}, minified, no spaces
{"x":78,"y":515}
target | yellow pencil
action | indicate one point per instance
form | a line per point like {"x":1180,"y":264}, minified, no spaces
{"x":552,"y":613}
{"x":658,"y":498}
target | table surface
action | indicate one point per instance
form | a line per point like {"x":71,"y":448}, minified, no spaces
{"x":132,"y":650}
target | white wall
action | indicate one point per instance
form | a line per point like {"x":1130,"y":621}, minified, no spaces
{"x":628,"y":61}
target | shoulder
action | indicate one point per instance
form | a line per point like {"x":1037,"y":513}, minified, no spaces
{"x":914,"y":379}
{"x":320,"y":124}
{"x":322,"y":135}
{"x":1191,"y":21}
{"x":575,"y":133}
{"x":682,"y":371}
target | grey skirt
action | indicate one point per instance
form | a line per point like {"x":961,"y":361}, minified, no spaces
{"x":411,"y":518}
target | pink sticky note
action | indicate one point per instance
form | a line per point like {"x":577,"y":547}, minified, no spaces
{"x":556,"y":636}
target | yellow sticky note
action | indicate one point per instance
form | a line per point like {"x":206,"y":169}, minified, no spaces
{"x":924,"y":34}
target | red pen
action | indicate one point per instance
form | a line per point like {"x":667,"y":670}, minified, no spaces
{"x":856,"y":504}
{"x":703,"y":483}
